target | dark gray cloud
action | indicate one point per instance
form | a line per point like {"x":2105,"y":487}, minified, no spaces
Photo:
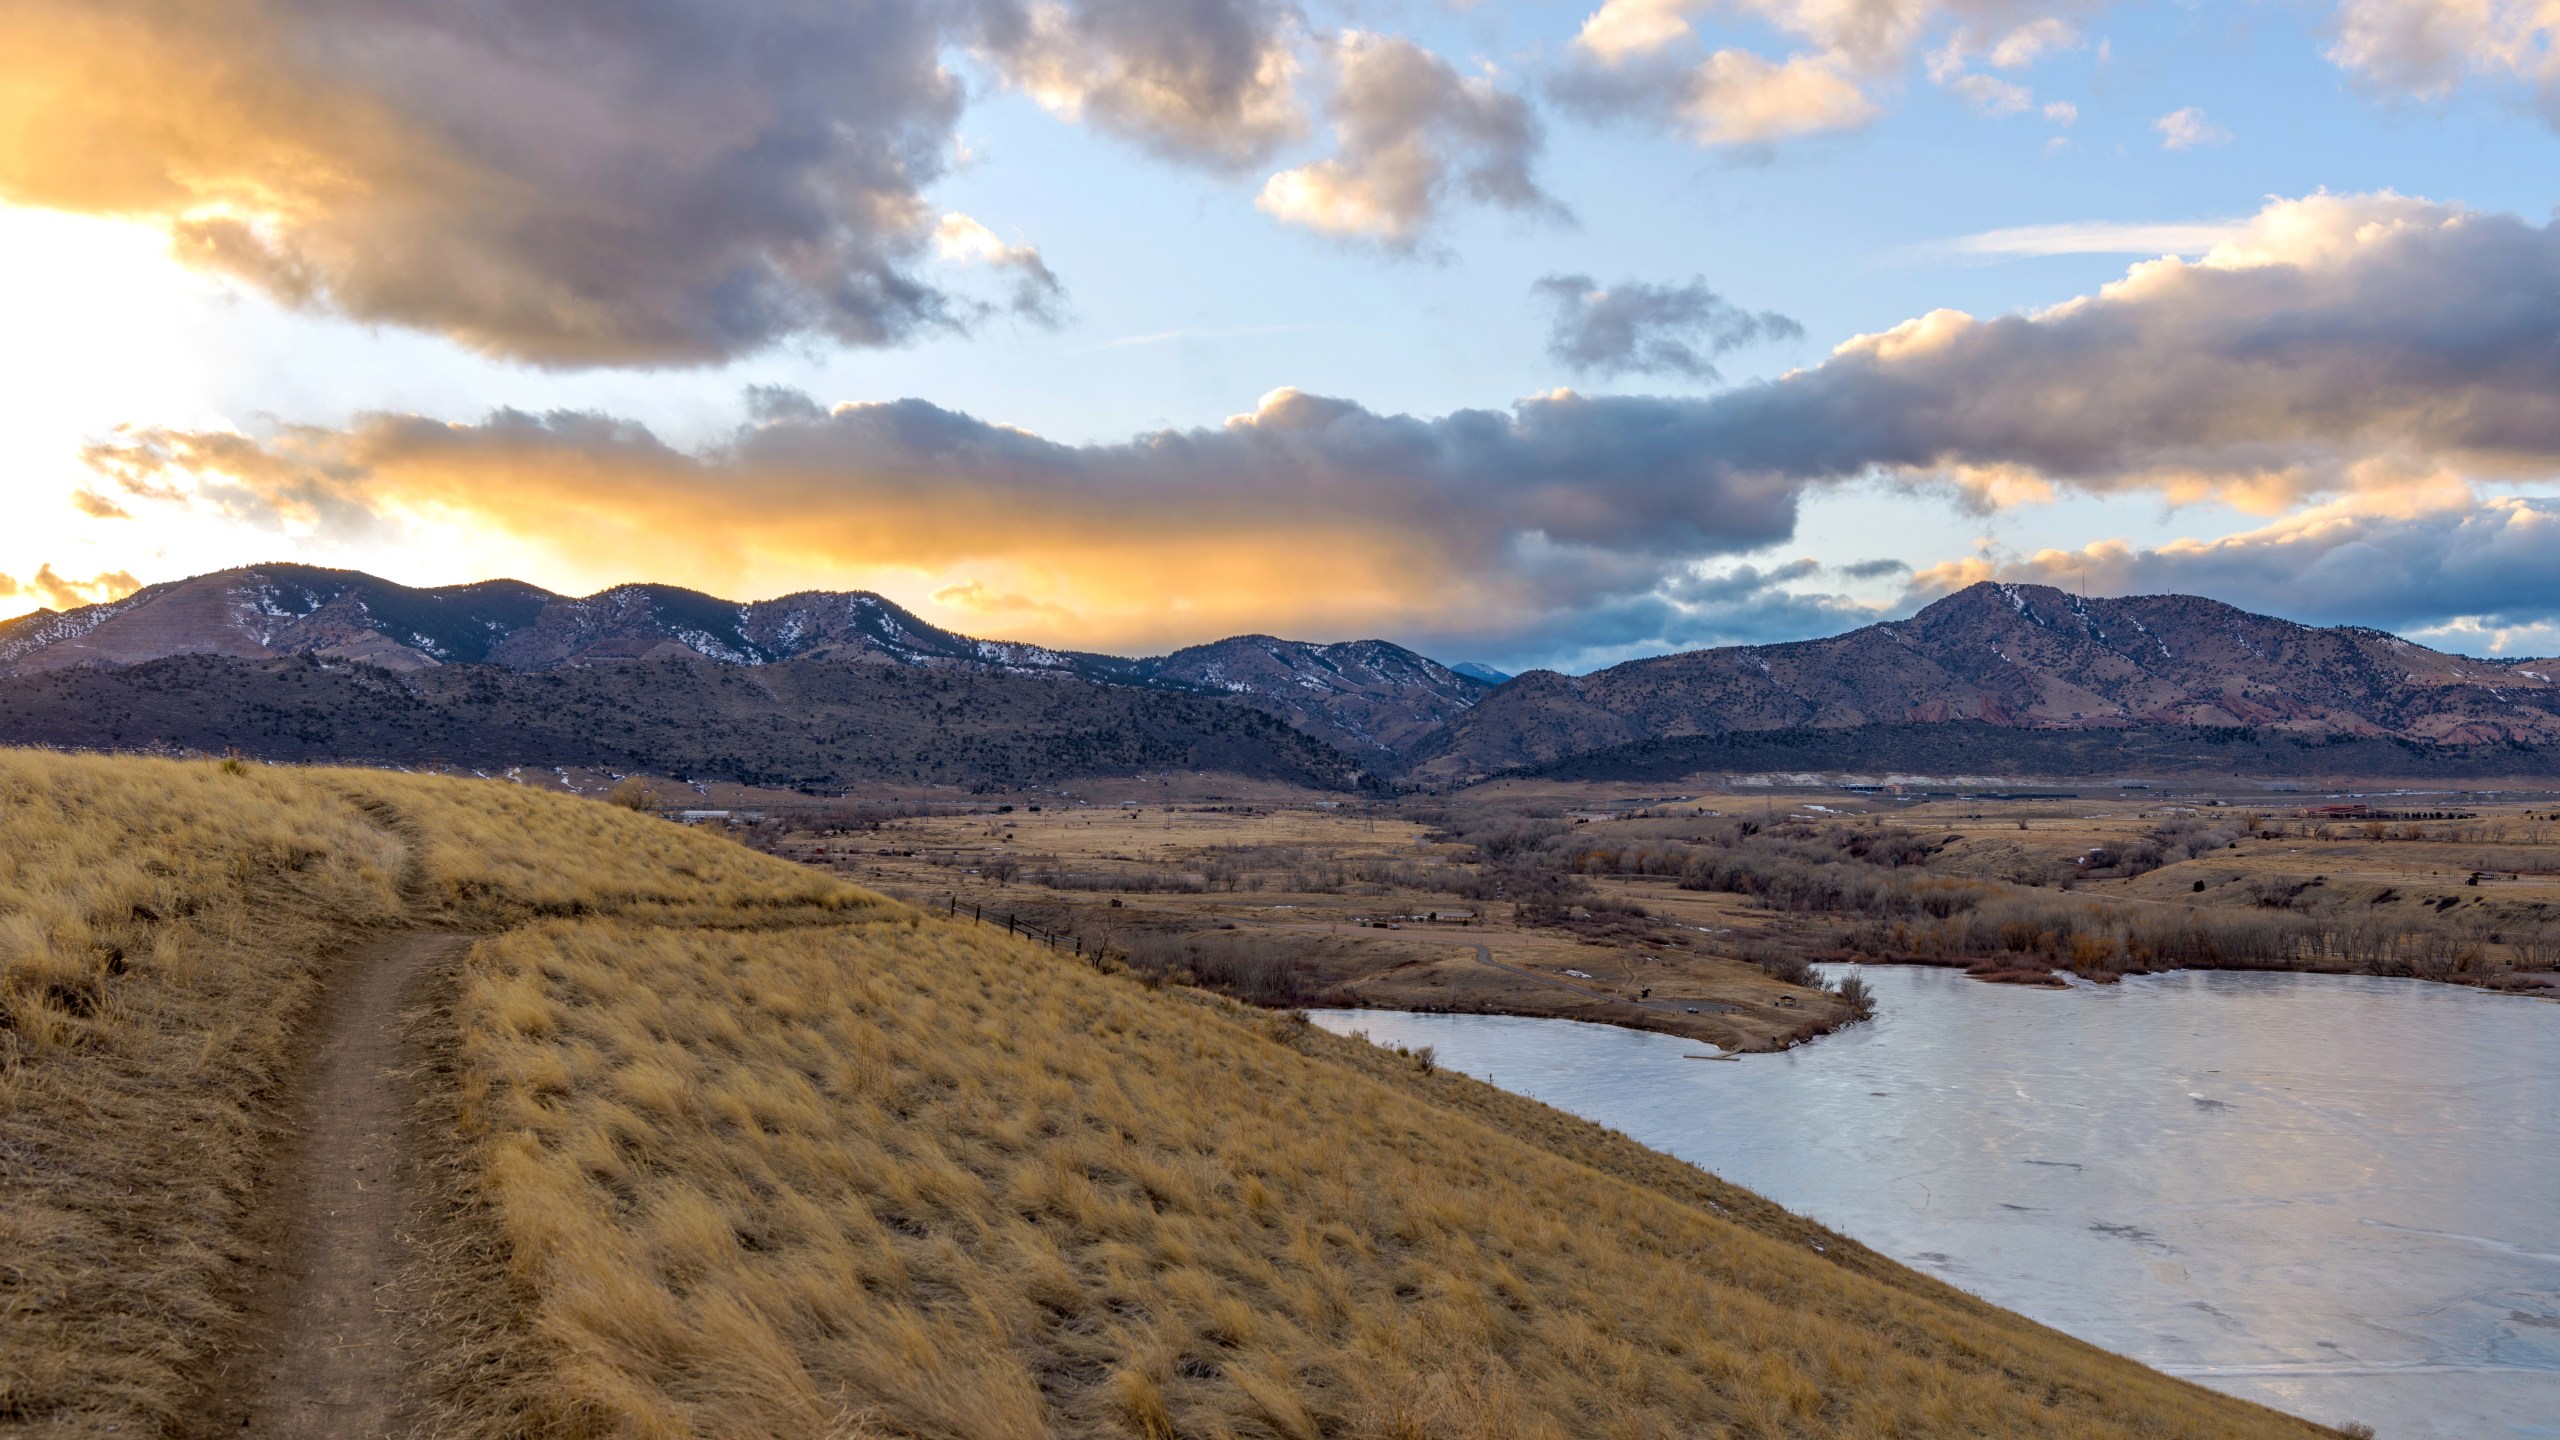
{"x":1649,"y":329}
{"x":582,"y":183}
{"x":683,"y":182}
{"x":570,"y":183}
{"x":1038,"y":295}
{"x":1204,"y":82}
{"x":2338,"y":343}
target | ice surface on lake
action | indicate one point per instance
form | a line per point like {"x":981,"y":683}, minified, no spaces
{"x":2336,"y":1195}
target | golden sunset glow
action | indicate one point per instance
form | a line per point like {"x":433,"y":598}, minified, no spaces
{"x":95,"y":313}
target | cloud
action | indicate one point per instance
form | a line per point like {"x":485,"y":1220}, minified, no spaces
{"x":66,"y":594}
{"x":1203,"y":82}
{"x":1640,"y":59}
{"x":673,"y":183}
{"x":1625,"y":29}
{"x":97,"y":506}
{"x":2031,"y":41}
{"x":1992,"y":95}
{"x":1737,"y":97}
{"x":1037,"y":293}
{"x":677,"y":183}
{"x":2480,"y":566}
{"x":2335,"y":344}
{"x":1308,"y":513}
{"x":1732,"y":97}
{"x":976,"y":597}
{"x":1691,"y":610}
{"x":2376,"y":352}
{"x":1649,"y":329}
{"x":2425,"y":48}
{"x":2092,"y":237}
{"x":1873,"y":34}
{"x":1875,"y":569}
{"x":2188,"y":128}
{"x":2061,"y":112}
{"x":1644,"y":60}
{"x":2015,"y":49}
{"x":1411,"y":135}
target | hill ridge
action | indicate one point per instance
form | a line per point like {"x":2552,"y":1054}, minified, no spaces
{"x":2015,"y":656}
{"x":1369,"y":697}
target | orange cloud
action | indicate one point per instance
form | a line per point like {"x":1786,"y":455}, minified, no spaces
{"x":1308,"y":514}
{"x":67,"y":594}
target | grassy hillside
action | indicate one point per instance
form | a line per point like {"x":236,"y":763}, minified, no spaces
{"x":736,"y":1151}
{"x":164,"y":931}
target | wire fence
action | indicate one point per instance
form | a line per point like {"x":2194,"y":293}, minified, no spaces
{"x":1060,"y":940}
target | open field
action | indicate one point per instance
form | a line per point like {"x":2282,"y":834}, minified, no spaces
{"x":2452,"y":886}
{"x":704,"y":1144}
{"x":1697,"y":913}
{"x":1325,"y":905}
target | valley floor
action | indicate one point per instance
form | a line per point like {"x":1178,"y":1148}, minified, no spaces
{"x":1289,"y":901}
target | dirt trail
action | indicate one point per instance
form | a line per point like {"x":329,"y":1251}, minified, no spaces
{"x":323,"y":1358}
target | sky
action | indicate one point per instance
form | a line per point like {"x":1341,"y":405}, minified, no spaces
{"x":1534,"y":334}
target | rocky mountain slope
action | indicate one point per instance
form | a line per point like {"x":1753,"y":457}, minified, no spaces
{"x":795,"y":723}
{"x":2021,"y":657}
{"x":1368,"y":697}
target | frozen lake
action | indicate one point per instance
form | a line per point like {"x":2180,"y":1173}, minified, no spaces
{"x":2336,"y":1195}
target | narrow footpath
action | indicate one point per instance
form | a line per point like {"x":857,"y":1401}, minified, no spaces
{"x":322,"y":1357}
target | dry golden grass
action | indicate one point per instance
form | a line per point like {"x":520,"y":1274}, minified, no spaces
{"x":906,"y":1178}
{"x":164,"y":928}
{"x":488,"y":850}
{"x":750,"y":1153}
{"x":160,"y":928}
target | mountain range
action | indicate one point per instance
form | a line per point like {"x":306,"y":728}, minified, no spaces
{"x":2018,"y":658}
{"x":307,"y":662}
{"x":1367,"y":697}
{"x":818,"y":725}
